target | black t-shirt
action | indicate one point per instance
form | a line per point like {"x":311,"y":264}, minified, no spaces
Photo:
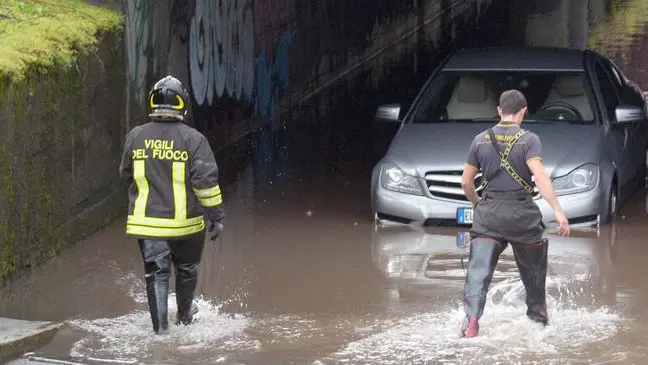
{"x":483,"y":156}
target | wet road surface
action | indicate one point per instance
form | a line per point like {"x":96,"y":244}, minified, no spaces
{"x":302,"y":276}
{"x":306,"y":278}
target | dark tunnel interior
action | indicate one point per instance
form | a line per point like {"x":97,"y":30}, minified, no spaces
{"x":342,"y":137}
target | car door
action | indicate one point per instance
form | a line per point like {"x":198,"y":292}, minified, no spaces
{"x":617,"y":141}
{"x":636,"y":131}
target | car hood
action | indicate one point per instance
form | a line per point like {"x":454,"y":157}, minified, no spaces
{"x":418,"y":148}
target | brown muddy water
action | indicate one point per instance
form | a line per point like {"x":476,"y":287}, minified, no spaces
{"x":302,"y":276}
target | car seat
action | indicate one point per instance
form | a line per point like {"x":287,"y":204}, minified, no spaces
{"x":472,"y":98}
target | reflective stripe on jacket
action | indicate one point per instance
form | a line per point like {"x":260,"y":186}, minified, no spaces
{"x":172,"y":179}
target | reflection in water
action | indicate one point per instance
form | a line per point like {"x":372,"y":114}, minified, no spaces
{"x":407,"y":255}
{"x":419,"y":263}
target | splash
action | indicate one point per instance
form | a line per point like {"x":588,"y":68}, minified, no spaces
{"x":129,"y":338}
{"x":506,"y":334}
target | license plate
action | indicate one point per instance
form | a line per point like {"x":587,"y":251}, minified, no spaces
{"x":464,"y":216}
{"x":463,"y":239}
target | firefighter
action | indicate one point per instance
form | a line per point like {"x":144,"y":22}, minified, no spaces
{"x":506,"y":213}
{"x":172,"y":179}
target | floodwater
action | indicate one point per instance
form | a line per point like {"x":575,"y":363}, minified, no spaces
{"x":301,"y":274}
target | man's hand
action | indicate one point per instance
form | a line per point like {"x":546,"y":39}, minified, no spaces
{"x":563,"y":224}
{"x":214,"y":229}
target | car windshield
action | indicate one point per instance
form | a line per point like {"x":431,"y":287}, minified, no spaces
{"x":473,"y":96}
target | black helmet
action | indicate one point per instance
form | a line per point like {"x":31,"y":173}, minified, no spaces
{"x":168,"y":99}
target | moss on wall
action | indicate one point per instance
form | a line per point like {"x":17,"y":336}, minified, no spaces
{"x":43,"y":34}
{"x":62,"y":80}
{"x":615,"y":32}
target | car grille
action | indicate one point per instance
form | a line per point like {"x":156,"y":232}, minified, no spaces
{"x":447,"y":185}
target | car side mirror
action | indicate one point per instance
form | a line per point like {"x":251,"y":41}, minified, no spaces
{"x":388,"y":113}
{"x":629,"y":114}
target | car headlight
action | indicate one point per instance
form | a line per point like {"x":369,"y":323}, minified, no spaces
{"x":580,"y":179}
{"x":395,"y":179}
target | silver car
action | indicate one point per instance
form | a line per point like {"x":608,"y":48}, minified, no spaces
{"x":590,"y":119}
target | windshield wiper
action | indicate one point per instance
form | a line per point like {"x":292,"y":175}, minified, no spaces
{"x":539,"y":121}
{"x":465,"y":120}
{"x":470,"y":120}
{"x":484,"y":120}
{"x":555,"y":121}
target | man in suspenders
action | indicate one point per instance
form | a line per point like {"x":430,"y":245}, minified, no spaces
{"x":508,"y":157}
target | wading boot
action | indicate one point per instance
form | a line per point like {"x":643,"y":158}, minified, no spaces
{"x":156,"y":291}
{"x":186,"y":280}
{"x":187,"y":318}
{"x":484,"y":254}
{"x":470,"y":327}
{"x":157,"y":269}
{"x":532,"y":265}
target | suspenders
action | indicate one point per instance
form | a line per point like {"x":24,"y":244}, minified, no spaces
{"x":504,"y":163}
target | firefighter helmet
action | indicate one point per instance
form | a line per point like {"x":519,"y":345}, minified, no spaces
{"x":168,"y":99}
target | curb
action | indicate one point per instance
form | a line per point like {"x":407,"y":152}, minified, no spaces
{"x":18,"y":336}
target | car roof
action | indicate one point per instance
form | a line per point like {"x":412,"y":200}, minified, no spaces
{"x":517,"y":59}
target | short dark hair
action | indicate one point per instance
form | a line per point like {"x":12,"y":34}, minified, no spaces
{"x":512,"y":101}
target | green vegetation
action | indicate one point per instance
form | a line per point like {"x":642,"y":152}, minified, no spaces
{"x":42,"y":33}
{"x":616,"y":31}
{"x":47,"y":50}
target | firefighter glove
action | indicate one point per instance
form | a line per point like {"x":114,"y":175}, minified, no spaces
{"x":214,"y":229}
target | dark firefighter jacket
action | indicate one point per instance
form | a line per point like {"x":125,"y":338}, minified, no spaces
{"x":172,"y":179}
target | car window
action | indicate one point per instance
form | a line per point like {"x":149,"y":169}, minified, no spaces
{"x":608,"y":89}
{"x":473,"y":96}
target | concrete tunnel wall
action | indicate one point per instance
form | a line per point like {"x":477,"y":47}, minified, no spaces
{"x":253,"y":63}
{"x":61,"y":135}
{"x":248,"y":64}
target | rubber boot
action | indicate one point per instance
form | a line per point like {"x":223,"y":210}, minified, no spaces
{"x":157,"y":289}
{"x":470,"y":327}
{"x":157,"y":268}
{"x":532,"y":265}
{"x":186,"y":281}
{"x":484,"y":254}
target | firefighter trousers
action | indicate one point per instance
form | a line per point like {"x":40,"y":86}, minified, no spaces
{"x":158,"y":256}
{"x":500,"y":220}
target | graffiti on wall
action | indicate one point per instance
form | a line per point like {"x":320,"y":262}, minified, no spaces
{"x":239,"y":57}
{"x":232,"y":53}
{"x":221,"y":51}
{"x":138,"y":45}
{"x":276,"y":30}
{"x":273,"y":74}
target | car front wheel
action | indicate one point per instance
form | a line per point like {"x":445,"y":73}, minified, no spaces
{"x":610,"y":211}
